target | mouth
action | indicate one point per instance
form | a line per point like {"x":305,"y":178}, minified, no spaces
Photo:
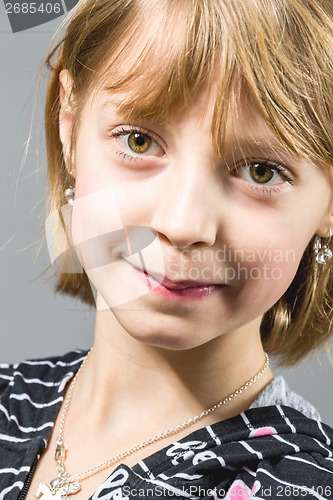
{"x":177,"y":289}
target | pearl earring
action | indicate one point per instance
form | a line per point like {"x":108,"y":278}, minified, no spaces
{"x":70,"y":192}
{"x":322,"y":251}
{"x":69,"y":195}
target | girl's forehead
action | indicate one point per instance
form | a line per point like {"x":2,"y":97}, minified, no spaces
{"x":140,"y":91}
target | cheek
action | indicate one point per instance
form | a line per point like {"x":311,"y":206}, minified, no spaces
{"x":96,"y":210}
{"x":97,"y":229}
{"x":94,"y":215}
{"x":264,"y":283}
{"x":92,"y":164}
{"x":267,"y":265}
{"x":106,"y":243}
{"x":117,"y":194}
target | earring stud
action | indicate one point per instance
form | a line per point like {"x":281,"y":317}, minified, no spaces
{"x":322,"y":251}
{"x":69,"y":195}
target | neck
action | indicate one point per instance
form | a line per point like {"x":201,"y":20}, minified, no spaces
{"x":124,"y":375}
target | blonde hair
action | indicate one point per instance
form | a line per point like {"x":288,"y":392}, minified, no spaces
{"x":279,"y":51}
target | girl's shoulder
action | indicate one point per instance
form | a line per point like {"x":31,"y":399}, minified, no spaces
{"x":40,"y":373}
{"x":31,"y":394}
{"x":278,"y":392}
{"x":6,"y":375}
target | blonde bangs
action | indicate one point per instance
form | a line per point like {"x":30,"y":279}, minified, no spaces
{"x":161,"y":57}
{"x":161,"y":69}
{"x":277,"y":46}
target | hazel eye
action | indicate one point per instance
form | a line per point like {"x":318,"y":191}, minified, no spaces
{"x":139,"y":143}
{"x":134,"y":143}
{"x":263,"y":173}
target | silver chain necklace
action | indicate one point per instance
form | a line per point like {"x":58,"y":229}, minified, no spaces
{"x":65,"y":484}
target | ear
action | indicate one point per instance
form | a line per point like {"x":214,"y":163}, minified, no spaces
{"x":324,"y":231}
{"x":326,"y":224}
{"x":66,"y":113}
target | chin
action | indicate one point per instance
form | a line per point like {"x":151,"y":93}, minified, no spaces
{"x":175,"y":341}
{"x":159,"y":332}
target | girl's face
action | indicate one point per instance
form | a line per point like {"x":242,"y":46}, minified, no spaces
{"x":225,"y":235}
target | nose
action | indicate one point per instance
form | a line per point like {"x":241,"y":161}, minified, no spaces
{"x":184,"y":211}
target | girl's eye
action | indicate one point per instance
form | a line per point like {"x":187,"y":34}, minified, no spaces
{"x":132,"y":140}
{"x":263,"y":173}
{"x":139,"y":143}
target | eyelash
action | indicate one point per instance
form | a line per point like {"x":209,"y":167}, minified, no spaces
{"x":264,"y":190}
{"x":126,"y":131}
{"x":281,"y":169}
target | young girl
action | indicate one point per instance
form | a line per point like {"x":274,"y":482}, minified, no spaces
{"x":190,"y":166}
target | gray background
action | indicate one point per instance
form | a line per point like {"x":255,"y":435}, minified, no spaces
{"x":34,"y":321}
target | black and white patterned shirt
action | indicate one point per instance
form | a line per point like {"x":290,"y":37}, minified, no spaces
{"x":278,"y":449}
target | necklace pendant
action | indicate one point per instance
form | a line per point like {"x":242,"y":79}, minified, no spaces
{"x":57,"y":490}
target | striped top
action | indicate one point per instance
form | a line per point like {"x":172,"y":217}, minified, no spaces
{"x":277,"y":449}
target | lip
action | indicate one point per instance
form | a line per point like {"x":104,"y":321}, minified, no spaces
{"x":180,"y":289}
{"x":181,"y":285}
